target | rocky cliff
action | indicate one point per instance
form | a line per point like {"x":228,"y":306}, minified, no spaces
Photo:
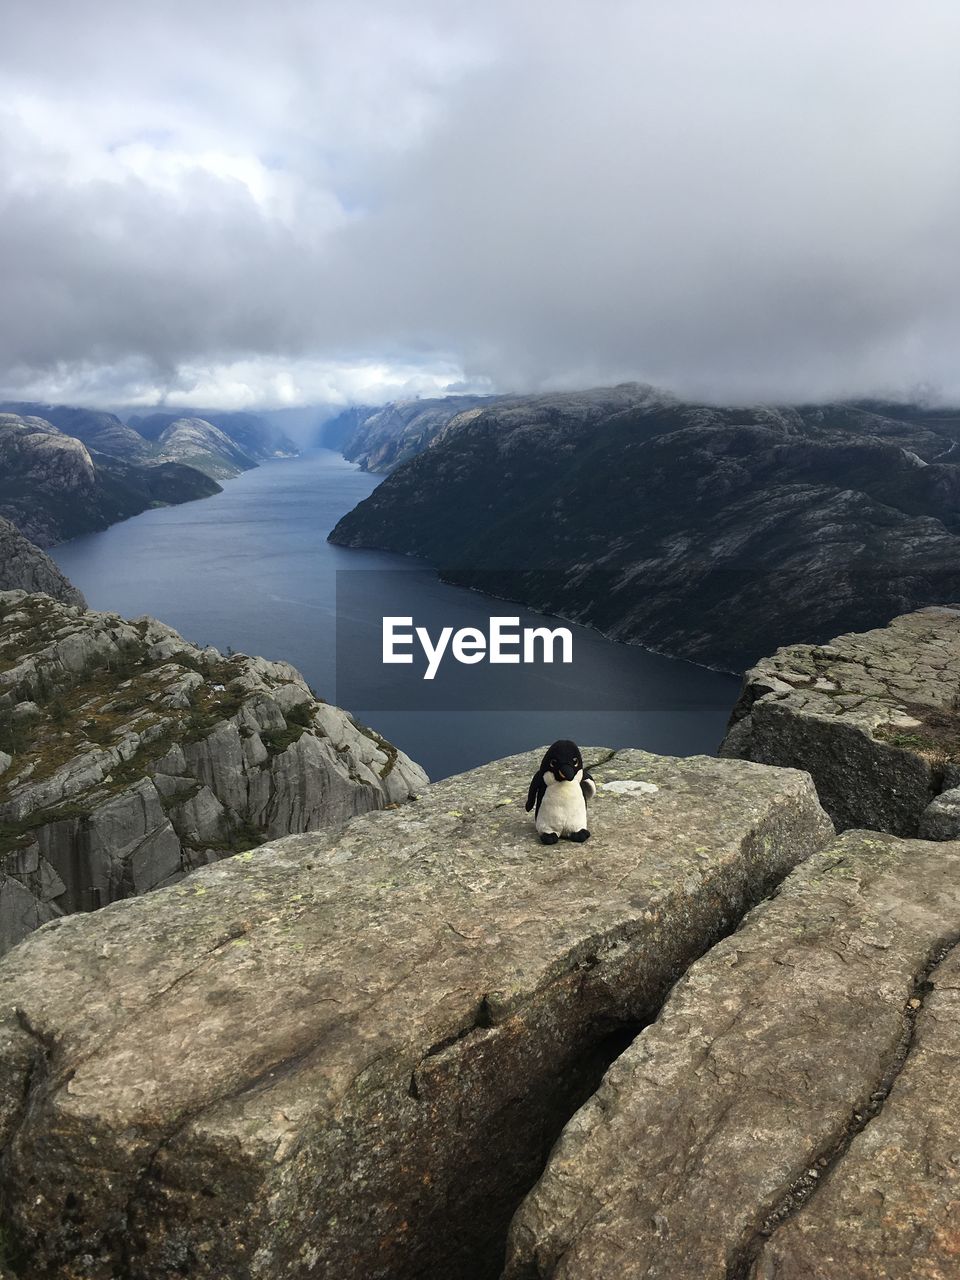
{"x":381,"y":437}
{"x":102,"y":432}
{"x":128,"y":757}
{"x":52,"y":487}
{"x":24,"y":567}
{"x":257,"y":437}
{"x":197,"y":443}
{"x":709,"y":533}
{"x":714,"y":1043}
{"x":348,"y":1054}
{"x":873,"y":717}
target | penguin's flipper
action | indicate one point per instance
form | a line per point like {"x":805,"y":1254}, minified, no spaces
{"x":537,"y":791}
{"x":588,"y":787}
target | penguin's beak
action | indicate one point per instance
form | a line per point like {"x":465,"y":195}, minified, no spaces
{"x":569,"y":773}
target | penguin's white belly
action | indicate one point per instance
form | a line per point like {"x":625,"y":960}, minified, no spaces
{"x":563,"y":809}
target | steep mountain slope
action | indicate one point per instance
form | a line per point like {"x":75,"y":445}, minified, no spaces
{"x":24,"y":567}
{"x":52,"y":487}
{"x":714,"y":534}
{"x":381,"y":437}
{"x":257,"y":438}
{"x":103,"y":432}
{"x":197,"y":443}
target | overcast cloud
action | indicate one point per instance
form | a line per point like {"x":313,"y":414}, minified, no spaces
{"x":245,"y":203}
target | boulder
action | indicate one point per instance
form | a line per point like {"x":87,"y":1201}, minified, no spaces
{"x":348,"y":1053}
{"x":940,"y":820}
{"x":874,"y":717}
{"x":791,"y":1114}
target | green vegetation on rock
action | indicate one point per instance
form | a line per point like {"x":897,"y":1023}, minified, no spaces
{"x":134,"y":757}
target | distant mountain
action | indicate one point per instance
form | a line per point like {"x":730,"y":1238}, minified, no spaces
{"x":24,"y":567}
{"x":255,"y":435}
{"x":380,"y":437}
{"x":710,"y":533}
{"x":52,"y":487}
{"x":341,"y":427}
{"x":198,"y":443}
{"x":101,"y":431}
{"x":257,"y":438}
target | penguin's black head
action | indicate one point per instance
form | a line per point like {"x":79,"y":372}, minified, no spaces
{"x":563,"y":760}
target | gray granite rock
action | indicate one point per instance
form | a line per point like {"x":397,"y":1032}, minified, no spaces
{"x":133,"y":754}
{"x":810,"y":1024}
{"x":21,"y":911}
{"x":347,"y":1053}
{"x":940,"y":820}
{"x":873,"y":717}
{"x":889,"y":1209}
{"x":24,"y":567}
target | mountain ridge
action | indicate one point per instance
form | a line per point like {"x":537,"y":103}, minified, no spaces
{"x":67,"y":470}
{"x":710,"y":533}
{"x":53,"y":487}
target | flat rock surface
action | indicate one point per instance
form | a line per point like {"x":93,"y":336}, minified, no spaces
{"x":347,"y":1054}
{"x":891,"y":1209}
{"x":723,"y":1134}
{"x":873,"y":716}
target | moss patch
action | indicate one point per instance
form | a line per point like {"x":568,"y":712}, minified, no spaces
{"x":14,"y":835}
{"x":937,"y":738}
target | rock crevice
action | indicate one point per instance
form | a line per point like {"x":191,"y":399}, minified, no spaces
{"x":825,"y":1161}
{"x":722,"y":1127}
{"x":244,"y":1107}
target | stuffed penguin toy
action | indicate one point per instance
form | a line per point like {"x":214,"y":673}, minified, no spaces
{"x":559,"y":793}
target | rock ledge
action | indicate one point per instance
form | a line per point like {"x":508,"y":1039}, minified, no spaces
{"x":349,"y":1053}
{"x":874,"y":717}
{"x":791,"y":1114}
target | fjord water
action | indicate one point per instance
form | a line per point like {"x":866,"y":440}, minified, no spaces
{"x":251,"y":569}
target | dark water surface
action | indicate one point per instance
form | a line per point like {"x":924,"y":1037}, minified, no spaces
{"x":251,"y":568}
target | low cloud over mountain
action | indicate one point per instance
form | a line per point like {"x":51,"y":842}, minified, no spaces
{"x":236,"y":204}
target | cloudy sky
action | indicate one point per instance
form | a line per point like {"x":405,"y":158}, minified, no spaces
{"x":233,"y":203}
